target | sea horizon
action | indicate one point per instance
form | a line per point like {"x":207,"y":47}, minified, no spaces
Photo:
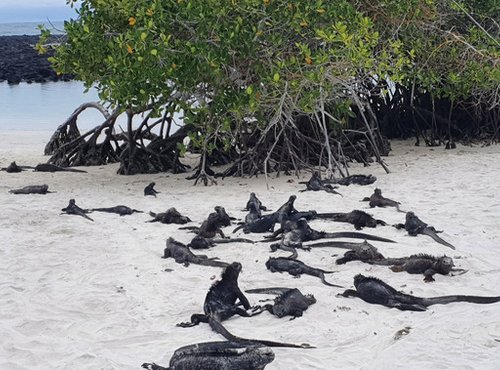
{"x":30,"y":28}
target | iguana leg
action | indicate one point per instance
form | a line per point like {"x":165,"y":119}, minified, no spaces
{"x":195,"y":320}
{"x":397,"y":268}
{"x":349,"y":293}
{"x":428,"y":275}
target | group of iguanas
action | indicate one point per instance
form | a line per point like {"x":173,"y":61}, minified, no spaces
{"x":225,"y":299}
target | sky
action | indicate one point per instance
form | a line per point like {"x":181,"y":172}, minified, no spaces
{"x":12,"y":11}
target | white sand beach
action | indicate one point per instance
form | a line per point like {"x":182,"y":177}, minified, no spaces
{"x":77,"y":294}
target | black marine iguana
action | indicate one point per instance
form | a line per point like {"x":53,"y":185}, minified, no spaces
{"x":373,"y":290}
{"x":255,"y":201}
{"x":267,"y":222}
{"x":218,"y":355}
{"x":378,"y":200}
{"x":220,"y":304}
{"x":296,"y":268}
{"x":307,"y":233}
{"x":199,"y":242}
{"x":73,"y":209}
{"x":289,"y":302}
{"x":291,"y":240}
{"x":148,"y":190}
{"x":315,"y":183}
{"x":181,"y":254}
{"x":212,"y":225}
{"x":420,"y":264}
{"x":414,"y":264}
{"x":14,"y":168}
{"x":48,"y":167}
{"x":416,"y":226}
{"x":364,"y":252}
{"x":32,"y":189}
{"x":358,"y":218}
{"x":254,"y":213}
{"x":121,"y":210}
{"x":356,"y":179}
{"x":170,"y":216}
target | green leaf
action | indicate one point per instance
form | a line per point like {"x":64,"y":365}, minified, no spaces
{"x":276,"y":77}
{"x":154,"y":52}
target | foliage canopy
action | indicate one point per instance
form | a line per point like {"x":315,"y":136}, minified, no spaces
{"x":244,"y":65}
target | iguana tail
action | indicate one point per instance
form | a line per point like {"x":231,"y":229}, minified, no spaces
{"x":356,"y":235}
{"x":189,"y":228}
{"x":332,"y":244}
{"x":459,"y":298}
{"x":272,"y":290}
{"x":232,"y":240}
{"x":219,"y":328}
{"x":388,"y":261}
{"x":331,"y":216}
{"x":100,"y":210}
{"x":433,"y":235}
{"x":239,"y":228}
{"x":211,"y":262}
{"x":323,"y":280}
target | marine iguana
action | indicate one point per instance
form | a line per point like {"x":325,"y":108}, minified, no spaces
{"x":49,"y":167}
{"x":289,"y":302}
{"x":267,"y":222}
{"x":199,"y":242}
{"x":296,"y":268}
{"x":121,"y":210}
{"x":254,"y":213}
{"x":73,"y":209}
{"x":364,"y":252}
{"x":32,"y":189}
{"x":358,"y":218}
{"x":316,"y":184}
{"x":291,"y":240}
{"x":218,"y":355}
{"x":212,"y":225}
{"x":416,"y":226}
{"x":181,"y":254}
{"x":373,"y":290}
{"x":293,"y":218}
{"x":260,"y":225}
{"x":255,"y":201}
{"x":220,"y":304}
{"x":148,"y":190}
{"x":378,"y":200}
{"x":170,"y":216}
{"x":14,"y":168}
{"x":307,"y":234}
{"x":286,"y":210}
{"x":356,"y":179}
{"x":420,"y":264}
